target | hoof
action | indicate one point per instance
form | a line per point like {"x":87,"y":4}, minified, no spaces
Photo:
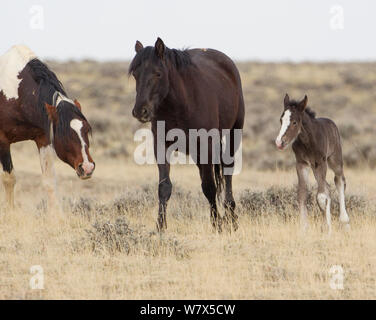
{"x":217,"y":225}
{"x":231,"y":223}
{"x":346,"y":227}
{"x":161,"y":224}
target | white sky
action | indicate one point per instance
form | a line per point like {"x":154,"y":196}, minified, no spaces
{"x":293,"y":30}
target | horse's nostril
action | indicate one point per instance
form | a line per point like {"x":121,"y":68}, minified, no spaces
{"x":144,"y":112}
{"x":80,"y":169}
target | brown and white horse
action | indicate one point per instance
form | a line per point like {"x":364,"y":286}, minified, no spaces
{"x":34,"y":106}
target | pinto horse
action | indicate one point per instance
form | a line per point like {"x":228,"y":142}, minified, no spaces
{"x":34,"y":106}
{"x":316,"y":144}
{"x":190,"y":89}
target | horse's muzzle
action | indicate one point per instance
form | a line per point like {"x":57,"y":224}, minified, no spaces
{"x":85,"y":170}
{"x":143,"y":114}
{"x":280,"y":144}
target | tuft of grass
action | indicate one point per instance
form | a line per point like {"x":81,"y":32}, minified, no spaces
{"x":117,"y":236}
{"x":283,"y":202}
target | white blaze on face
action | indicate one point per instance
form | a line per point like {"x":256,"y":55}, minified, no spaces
{"x":11,"y":64}
{"x":76,"y":125}
{"x":285,"y":125}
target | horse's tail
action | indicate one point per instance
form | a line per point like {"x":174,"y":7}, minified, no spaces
{"x":219,"y":179}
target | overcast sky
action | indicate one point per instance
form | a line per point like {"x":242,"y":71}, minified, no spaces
{"x":265,"y":30}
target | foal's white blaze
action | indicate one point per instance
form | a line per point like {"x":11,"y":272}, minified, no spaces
{"x":76,"y":125}
{"x":11,"y":64}
{"x":285,"y":125}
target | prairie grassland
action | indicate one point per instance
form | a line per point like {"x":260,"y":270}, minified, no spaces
{"x":105,"y":246}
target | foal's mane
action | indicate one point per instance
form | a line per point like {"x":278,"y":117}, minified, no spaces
{"x":177,"y":58}
{"x":308,"y":110}
{"x":48,"y":85}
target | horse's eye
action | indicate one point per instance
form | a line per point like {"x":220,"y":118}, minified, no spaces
{"x":294,"y":123}
{"x":158,"y":74}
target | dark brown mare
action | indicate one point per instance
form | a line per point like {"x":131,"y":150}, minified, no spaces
{"x":189,"y":89}
{"x":317,"y":144}
{"x":34,"y":106}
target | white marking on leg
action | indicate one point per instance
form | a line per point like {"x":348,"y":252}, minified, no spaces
{"x":9,"y":181}
{"x":324,"y":203}
{"x":328,"y":216}
{"x":321,"y":199}
{"x":285,"y":125}
{"x":343,"y":216}
{"x":11,"y":64}
{"x":46,"y":156}
{"x":76,"y":125}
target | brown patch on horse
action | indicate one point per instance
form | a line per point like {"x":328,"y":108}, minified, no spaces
{"x":78,"y":105}
{"x":51,"y":112}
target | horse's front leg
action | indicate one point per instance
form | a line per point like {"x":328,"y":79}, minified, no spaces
{"x":8,"y":178}
{"x":46,"y":156}
{"x":164,"y":193}
{"x":323,"y":193}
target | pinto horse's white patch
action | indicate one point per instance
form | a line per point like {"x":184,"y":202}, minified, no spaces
{"x":11,"y":64}
{"x":76,"y":125}
{"x":59,"y":97}
{"x":285,"y":125}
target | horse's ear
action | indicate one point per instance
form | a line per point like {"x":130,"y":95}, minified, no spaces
{"x":286,"y":101}
{"x":138,"y":46}
{"x":159,"y":48}
{"x":77,"y":104}
{"x":51,"y":112}
{"x":303,"y":104}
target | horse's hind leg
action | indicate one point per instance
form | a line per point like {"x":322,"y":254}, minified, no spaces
{"x":210,"y":191}
{"x":323,"y":194}
{"x":340,"y":182}
{"x":228,"y":164}
{"x":9,"y":179}
{"x":229,"y":203}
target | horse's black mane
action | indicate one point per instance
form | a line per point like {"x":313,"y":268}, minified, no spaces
{"x":48,"y":85}
{"x":178,"y":58}
{"x":308,"y":110}
{"x":42,"y":74}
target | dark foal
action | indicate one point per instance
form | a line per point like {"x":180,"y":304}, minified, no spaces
{"x":190,"y":89}
{"x":317,"y":144}
{"x":34,"y":106}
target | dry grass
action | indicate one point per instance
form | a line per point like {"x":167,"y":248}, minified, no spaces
{"x":105,"y":245}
